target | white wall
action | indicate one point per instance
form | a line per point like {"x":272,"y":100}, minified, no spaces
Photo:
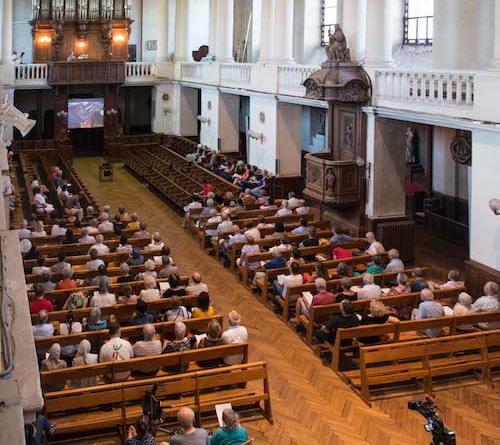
{"x":210,"y":132}
{"x":263,"y":154}
{"x":229,"y":113}
{"x":289,"y":129}
{"x":21,"y":29}
{"x":199,"y":17}
{"x":448,"y":177}
{"x":307,"y":30}
{"x":484,"y":225}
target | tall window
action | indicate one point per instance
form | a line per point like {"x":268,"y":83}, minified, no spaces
{"x":418,"y":22}
{"x":329,"y":18}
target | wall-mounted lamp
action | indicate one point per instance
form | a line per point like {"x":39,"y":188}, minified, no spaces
{"x":44,"y":39}
{"x":255,"y":135}
{"x":495,"y":206}
{"x":62,"y":114}
{"x":119,"y":38}
{"x":360,"y":161}
{"x":204,"y":120}
{"x":112,"y":112}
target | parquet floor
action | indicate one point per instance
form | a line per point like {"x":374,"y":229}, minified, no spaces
{"x":311,"y":405}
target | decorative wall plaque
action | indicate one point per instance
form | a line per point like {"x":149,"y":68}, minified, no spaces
{"x":461,"y":149}
{"x":262,"y":117}
{"x":166,"y":97}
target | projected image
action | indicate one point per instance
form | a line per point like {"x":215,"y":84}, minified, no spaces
{"x":85,"y":113}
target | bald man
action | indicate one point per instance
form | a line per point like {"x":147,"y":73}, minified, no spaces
{"x":196,"y":286}
{"x":190,"y":435}
{"x":375,"y":247}
{"x":234,"y":334}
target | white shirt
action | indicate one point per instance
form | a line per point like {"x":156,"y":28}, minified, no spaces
{"x":38,"y":234}
{"x":369,"y":291}
{"x":24,"y":233}
{"x":395,"y":265}
{"x":302,"y":210}
{"x":39,"y":270}
{"x":93,"y":230}
{"x":103,"y":300}
{"x":116,"y":349}
{"x":59,"y":231}
{"x":144,"y":348}
{"x":101,"y":248}
{"x":87,"y":239}
{"x":155,"y":246}
{"x":375,"y":248}
{"x":105,"y":226}
{"x":293,"y":202}
{"x":283,"y":212}
{"x":487,"y":304}
{"x":43,"y":330}
{"x":289,"y":280}
{"x":254,"y":233}
{"x":94,"y":264}
{"x":149,"y":294}
{"x":196,"y":288}
{"x":234,"y":334}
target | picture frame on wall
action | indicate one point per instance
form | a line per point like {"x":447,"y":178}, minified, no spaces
{"x":151,"y":45}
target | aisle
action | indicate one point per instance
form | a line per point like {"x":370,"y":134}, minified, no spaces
{"x":311,"y":405}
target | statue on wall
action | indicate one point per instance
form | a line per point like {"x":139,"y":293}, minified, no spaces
{"x":57,"y":40}
{"x":337,"y":50}
{"x":330,"y":181}
{"x":411,"y":146}
{"x":107,"y":39}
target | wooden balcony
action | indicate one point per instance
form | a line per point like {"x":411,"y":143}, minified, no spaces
{"x":88,"y":72}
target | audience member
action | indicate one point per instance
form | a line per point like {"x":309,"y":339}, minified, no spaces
{"x":190,"y":435}
{"x":429,"y":309}
{"x":95,"y":262}
{"x":124,"y":246}
{"x":70,"y":326}
{"x":47,"y":284}
{"x":102,"y":271}
{"x":150,"y":292}
{"x":39,"y":230}
{"x":402,"y":286}
{"x":395,"y":264}
{"x":302,"y":229}
{"x":204,"y":308}
{"x":346,"y":293}
{"x":196,"y":286}
{"x":137,"y":258}
{"x":156,"y":242}
{"x":40,"y":302}
{"x":95,"y":323}
{"x":76,"y":300}
{"x":24,"y":232}
{"x":141,"y":316}
{"x":489,"y":302}
{"x":251,"y":248}
{"x":338,"y":237}
{"x":177,"y":312}
{"x":101,"y":248}
{"x":142,"y":232}
{"x":84,"y":357}
{"x":150,"y":271}
{"x":232,"y":432}
{"x":213,"y":338}
{"x":370,"y":289}
{"x":28,"y":250}
{"x":103,"y":298}
{"x":464,"y":307}
{"x":175,"y":289}
{"x":284,"y":210}
{"x":125,"y":276}
{"x":376,"y":315}
{"x":52,"y":363}
{"x":148,"y":346}
{"x":419,"y":282}
{"x":235,"y":333}
{"x":452,"y":283}
{"x":375,"y":247}
{"x":116,"y":349}
{"x":346,"y":319}
{"x":322,"y":298}
{"x":40,"y":266}
{"x":67,"y":282}
{"x":312,"y":239}
{"x":106,"y":225}
{"x":140,"y":434}
{"x":128,"y":296}
{"x":43,"y":329}
{"x":59,"y":229}
{"x":282,"y":282}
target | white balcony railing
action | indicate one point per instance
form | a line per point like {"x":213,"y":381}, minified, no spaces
{"x":140,"y":71}
{"x":434,"y":87}
{"x":192,"y":71}
{"x":238,"y":74}
{"x":31,"y":74}
{"x":291,"y":78}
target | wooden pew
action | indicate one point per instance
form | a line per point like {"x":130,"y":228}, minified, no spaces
{"x":122,"y":312}
{"x":184,"y":361}
{"x":200,"y":390}
{"x":55,"y":239}
{"x":383,"y":365}
{"x":59,"y":296}
{"x":163,"y":329}
{"x":319,"y":315}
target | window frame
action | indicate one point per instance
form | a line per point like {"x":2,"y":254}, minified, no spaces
{"x":406,"y":21}
{"x":326,"y":26}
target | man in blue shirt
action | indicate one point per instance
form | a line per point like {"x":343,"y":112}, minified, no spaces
{"x":338,"y":237}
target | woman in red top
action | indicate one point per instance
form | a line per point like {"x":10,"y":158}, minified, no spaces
{"x":67,"y":282}
{"x":207,"y":188}
{"x":40,"y":302}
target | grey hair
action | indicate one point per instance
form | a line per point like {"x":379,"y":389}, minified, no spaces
{"x":320,"y":283}
{"x":234,"y":318}
{"x":210,"y":202}
{"x":426,"y":295}
{"x":230,"y":419}
{"x":99,"y":238}
{"x":124,"y":268}
{"x":67,"y":272}
{"x":368,"y":278}
{"x":402,"y":278}
{"x":149,"y":332}
{"x":465,"y":299}
{"x":95,"y":313}
{"x":85,"y":231}
{"x":185,"y":417}
{"x":180,"y":330}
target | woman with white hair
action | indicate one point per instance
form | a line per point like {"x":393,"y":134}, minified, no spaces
{"x":181,"y":343}
{"x":464,"y":307}
{"x":232,"y":432}
{"x":156,"y":242}
{"x":150,"y":292}
{"x":150,"y":267}
{"x":39,"y":230}
{"x":52,"y":363}
{"x":83,"y":357}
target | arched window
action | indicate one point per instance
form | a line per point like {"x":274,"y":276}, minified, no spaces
{"x":418,"y":22}
{"x":328,"y":19}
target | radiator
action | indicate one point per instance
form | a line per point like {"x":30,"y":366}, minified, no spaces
{"x":398,"y":235}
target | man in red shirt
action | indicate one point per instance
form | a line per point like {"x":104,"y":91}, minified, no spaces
{"x":207,"y":188}
{"x":339,"y":253}
{"x":67,"y":282}
{"x":40,"y":302}
{"x":322,"y":298}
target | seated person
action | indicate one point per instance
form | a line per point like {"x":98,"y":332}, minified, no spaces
{"x":311,"y":241}
{"x":142,"y":232}
{"x":249,"y":249}
{"x":346,"y":319}
{"x":375,"y":247}
{"x":52,"y":363}
{"x":302,"y":229}
{"x":213,"y":338}
{"x":175,"y":288}
{"x":28,"y":250}
{"x":178,"y":312}
{"x":125,"y":276}
{"x":43,"y":329}
{"x":370,"y":289}
{"x":76,"y":300}
{"x":395,"y":264}
{"x":168,"y":268}
{"x":464,"y":307}
{"x":338,"y":237}
{"x":284,"y":210}
{"x":377,"y":267}
{"x":124,"y":246}
{"x":40,"y":266}
{"x":402,"y":286}
{"x":40,"y":302}
{"x":452,"y":283}
{"x":204,"y":308}
{"x":70,"y":238}
{"x":86,"y":238}
{"x":346,"y":293}
{"x":140,"y":433}
{"x":252,"y":231}
{"x":137,"y":258}
{"x":95,"y":261}
{"x":39,"y":230}
{"x":377,"y":315}
{"x":141,"y":316}
{"x":156,"y":242}
{"x":150,"y":291}
{"x":67,"y":282}
{"x":323,"y":297}
{"x":147,"y":347}
{"x":101,"y":248}
{"x":150,"y":271}
{"x":116,"y":349}
{"x":232,"y":432}
{"x":102,"y":271}
{"x":128,"y":296}
{"x":489,"y":302}
{"x":103,"y":298}
{"x":181,"y":343}
{"x":320,"y":271}
{"x":282,"y":283}
{"x":419,"y":282}
{"x":279,"y":230}
{"x":189,"y":435}
{"x":296,"y":257}
{"x":343,"y":270}
{"x":95,"y":322}
{"x":46,"y":284}
{"x":429,"y":309}
{"x":84,"y":357}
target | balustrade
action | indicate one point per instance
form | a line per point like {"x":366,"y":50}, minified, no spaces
{"x":139,"y":71}
{"x":235,"y":73}
{"x":291,"y":78}
{"x":31,"y":74}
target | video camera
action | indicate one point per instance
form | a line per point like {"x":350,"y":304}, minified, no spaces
{"x":440,"y":434}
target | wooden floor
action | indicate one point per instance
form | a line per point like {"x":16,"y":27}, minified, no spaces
{"x":311,"y":405}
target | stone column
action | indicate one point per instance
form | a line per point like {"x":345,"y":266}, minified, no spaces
{"x":354,"y":27}
{"x":162,"y":26}
{"x":379,"y":33}
{"x":267,"y":32}
{"x":212,"y":30}
{"x":183,"y":51}
{"x":6,"y":31}
{"x":495,"y":61}
{"x":283,"y":32}
{"x":225,"y":26}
